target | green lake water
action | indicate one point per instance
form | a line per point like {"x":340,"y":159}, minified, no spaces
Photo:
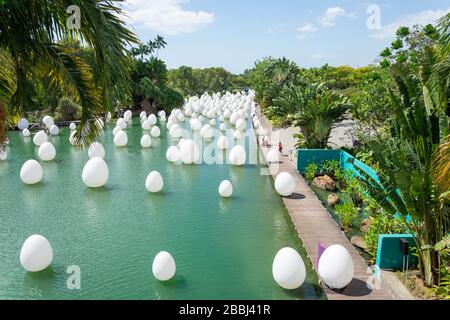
{"x":223,"y":248}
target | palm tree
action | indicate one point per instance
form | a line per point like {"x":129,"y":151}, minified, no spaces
{"x":149,"y":93}
{"x":159,"y":43}
{"x":31,"y":34}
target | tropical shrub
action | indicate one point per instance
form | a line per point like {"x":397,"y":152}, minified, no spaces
{"x":311,"y":171}
{"x":68,"y":110}
{"x":347,"y":212}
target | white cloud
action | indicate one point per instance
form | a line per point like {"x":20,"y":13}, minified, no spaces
{"x":420,"y":18}
{"x":322,"y":56}
{"x":166,"y":16}
{"x":307,"y":28}
{"x":331,"y":15}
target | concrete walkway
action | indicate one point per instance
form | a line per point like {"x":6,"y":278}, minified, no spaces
{"x":314,"y":224}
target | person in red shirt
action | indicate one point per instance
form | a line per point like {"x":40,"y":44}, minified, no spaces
{"x":280,"y":147}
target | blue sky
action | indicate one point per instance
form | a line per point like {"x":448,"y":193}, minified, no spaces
{"x":235,"y":33}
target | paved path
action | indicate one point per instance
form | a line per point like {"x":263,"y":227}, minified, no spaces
{"x":314,"y":224}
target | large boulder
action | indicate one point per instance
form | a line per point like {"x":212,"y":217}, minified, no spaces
{"x":333,"y":199}
{"x":324,"y":183}
{"x":365,"y":226}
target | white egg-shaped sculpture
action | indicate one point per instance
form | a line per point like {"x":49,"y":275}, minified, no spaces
{"x":213,"y":122}
{"x":156,"y":132}
{"x":95,"y":173}
{"x":226,"y":189}
{"x":121,"y":122}
{"x":173,"y":154}
{"x":96,"y":149}
{"x":206,"y":132}
{"x":3,"y":155}
{"x":121,"y":139}
{"x":146,"y":141}
{"x":72,"y":138}
{"x":116,"y":129}
{"x":48,"y":121}
{"x":175,"y":132}
{"x":108,"y":116}
{"x":272,"y":156}
{"x":143,"y":115}
{"x":40,"y":137}
{"x":72,"y":126}
{"x":22,"y":124}
{"x":26,"y":132}
{"x":31,"y":172}
{"x":189,"y":152}
{"x":54,"y":130}
{"x":241,"y":125}
{"x":181,"y":118}
{"x":36,"y":253}
{"x":127,"y":115}
{"x":285,"y":184}
{"x":336,"y":267}
{"x":223,"y":127}
{"x":288,"y":269}
{"x":238,"y":156}
{"x":164,"y":267}
{"x":154,"y":182}
{"x":196,"y":125}
{"x":234,"y":118}
{"x":238,"y":135}
{"x":146,"y":125}
{"x":222,"y":143}
{"x":47,"y":151}
{"x":152,"y":119}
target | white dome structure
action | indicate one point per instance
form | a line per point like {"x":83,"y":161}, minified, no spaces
{"x":121,"y":122}
{"x":206,"y":132}
{"x":121,"y":139}
{"x":175,"y":131}
{"x":72,"y":126}
{"x":272,"y":156}
{"x":223,"y":127}
{"x":146,"y":125}
{"x":127,"y":115}
{"x":241,"y":125}
{"x":31,"y":172}
{"x":285,"y":184}
{"x":3,"y":155}
{"x":26,"y":132}
{"x":238,"y":135}
{"x":95,"y":173}
{"x":152,"y":120}
{"x":146,"y":141}
{"x":156,"y":132}
{"x":39,"y":138}
{"x":22,"y":124}
{"x":238,"y":156}
{"x":336,"y":267}
{"x":36,"y":253}
{"x":189,"y":152}
{"x":96,"y":149}
{"x":164,"y":267}
{"x":116,"y":129}
{"x":222,"y":143}
{"x":54,"y":130}
{"x":196,"y":125}
{"x":154,"y":182}
{"x":48,"y":121}
{"x":212,"y":123}
{"x":226,"y":189}
{"x":47,"y":151}
{"x":173,"y":154}
{"x":288,"y":269}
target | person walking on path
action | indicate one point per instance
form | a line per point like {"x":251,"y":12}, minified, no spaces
{"x":280,"y":148}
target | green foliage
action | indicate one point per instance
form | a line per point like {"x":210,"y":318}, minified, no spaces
{"x":68,"y":110}
{"x":333,"y":169}
{"x":311,"y":171}
{"x":347,"y":213}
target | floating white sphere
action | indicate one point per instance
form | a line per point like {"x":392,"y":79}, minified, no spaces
{"x":116,"y":129}
{"x":146,"y":141}
{"x":108,"y":116}
{"x":128,"y":115}
{"x":143,"y":115}
{"x":156,"y":132}
{"x":48,"y":121}
{"x":238,"y":135}
{"x":39,"y":138}
{"x":146,"y":125}
{"x":152,"y":120}
{"x":154,"y":182}
{"x":272,"y":156}
{"x":238,"y":156}
{"x":95,"y":173}
{"x":223,"y":127}
{"x":336,"y":267}
{"x":181,"y":118}
{"x":173,"y":154}
{"x":122,"y":123}
{"x":285,"y":184}
{"x":164,"y":267}
{"x":206,"y":132}
{"x":226,"y":189}
{"x":26,"y":132}
{"x":47,"y":151}
{"x":54,"y":130}
{"x":3,"y":155}
{"x":31,"y":172}
{"x":213,"y":123}
{"x":189,"y":152}
{"x":22,"y":124}
{"x":196,"y":125}
{"x":288,"y":269}
{"x":96,"y":149}
{"x":175,"y":131}
{"x":72,"y":139}
{"x":121,"y":139}
{"x":36,"y":253}
{"x":234,"y":118}
{"x":241,"y":125}
{"x":222,"y":143}
{"x":72,"y":126}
